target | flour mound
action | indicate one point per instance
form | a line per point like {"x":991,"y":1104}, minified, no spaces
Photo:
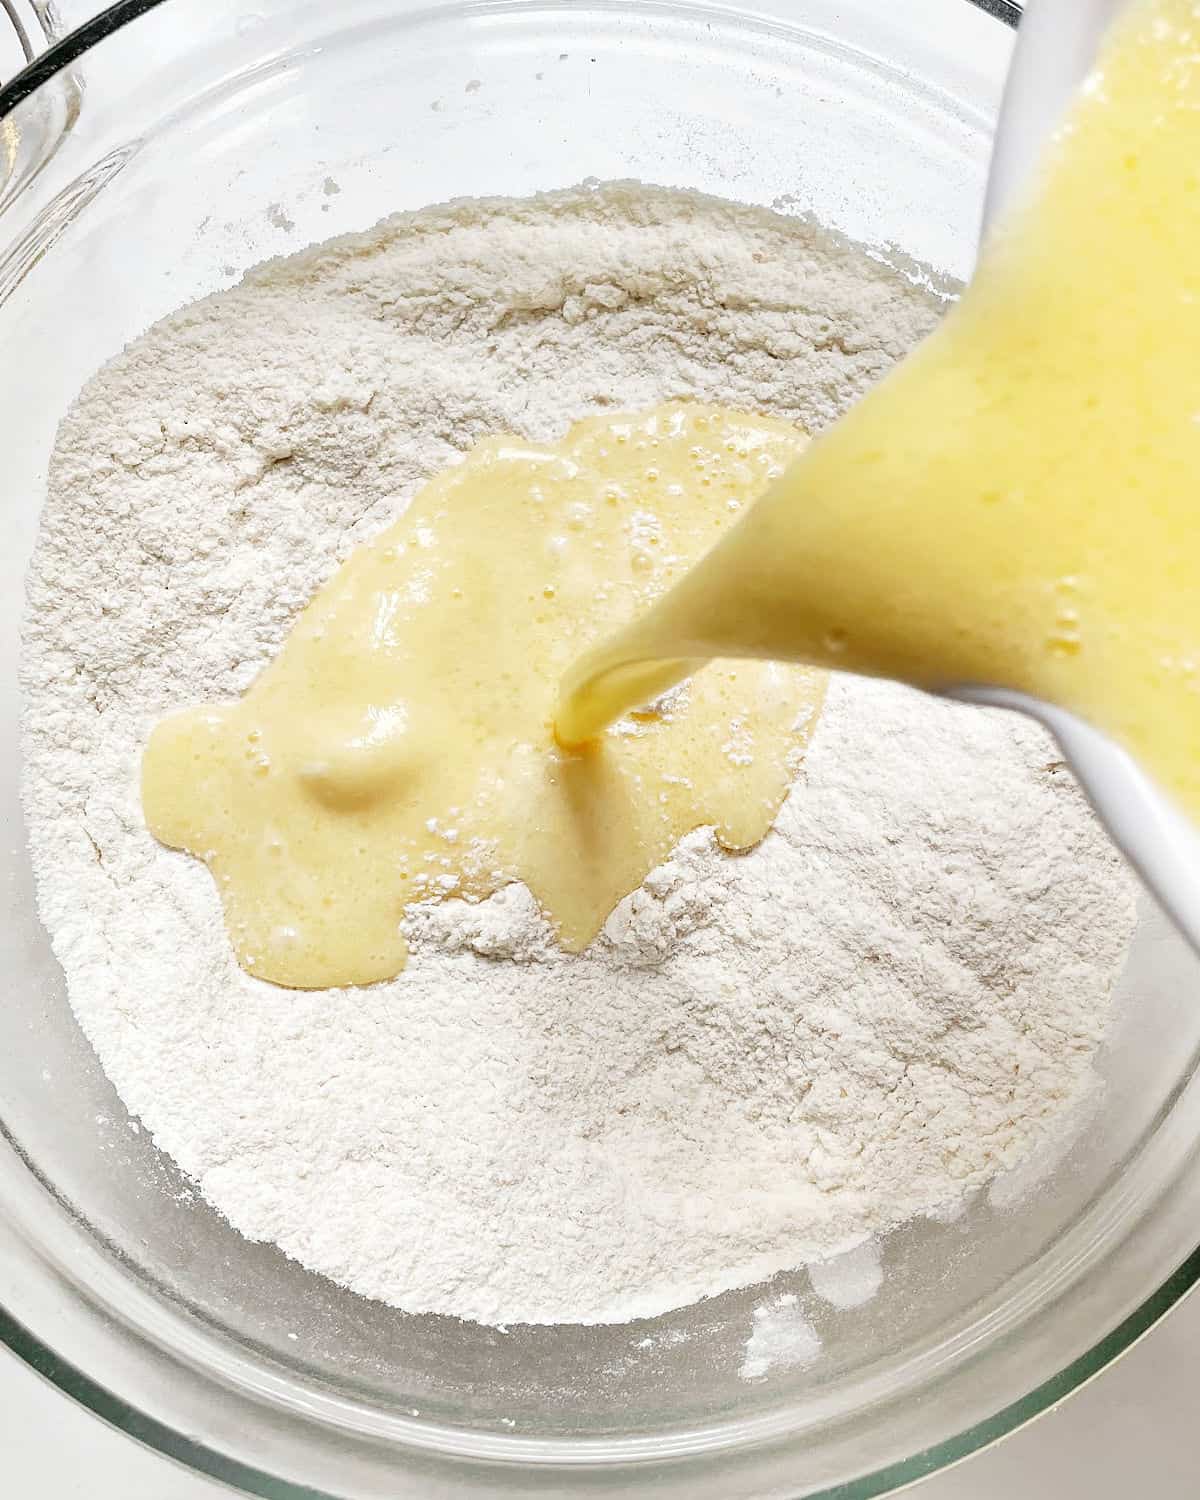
{"x":764,"y":1058}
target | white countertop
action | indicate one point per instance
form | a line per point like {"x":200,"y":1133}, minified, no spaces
{"x":1131,"y":1431}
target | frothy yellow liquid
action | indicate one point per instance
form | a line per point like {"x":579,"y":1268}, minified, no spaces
{"x":1018,"y":504}
{"x":401,"y":747}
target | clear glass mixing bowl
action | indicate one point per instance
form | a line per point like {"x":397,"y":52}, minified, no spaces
{"x":153,"y":159}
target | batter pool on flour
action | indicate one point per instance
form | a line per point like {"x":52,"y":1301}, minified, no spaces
{"x":761,"y":1059}
{"x":401,"y":746}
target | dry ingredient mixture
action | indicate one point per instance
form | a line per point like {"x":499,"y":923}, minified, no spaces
{"x":764,"y":1058}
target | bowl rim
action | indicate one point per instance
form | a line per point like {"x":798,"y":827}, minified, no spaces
{"x":192,"y":1453}
{"x":69,"y":48}
{"x":196,"y":1454}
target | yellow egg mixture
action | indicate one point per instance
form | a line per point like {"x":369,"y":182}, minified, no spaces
{"x":401,"y":746}
{"x":1017,"y":503}
{"x":1015,"y":506}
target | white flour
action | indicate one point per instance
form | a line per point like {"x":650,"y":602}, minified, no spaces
{"x":781,"y":1338}
{"x":850,"y":1279}
{"x":765,"y":1057}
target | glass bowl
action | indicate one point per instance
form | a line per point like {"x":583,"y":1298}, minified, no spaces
{"x":152,"y":158}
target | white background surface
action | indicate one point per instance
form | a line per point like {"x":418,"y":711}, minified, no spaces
{"x":1132,"y":1432}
